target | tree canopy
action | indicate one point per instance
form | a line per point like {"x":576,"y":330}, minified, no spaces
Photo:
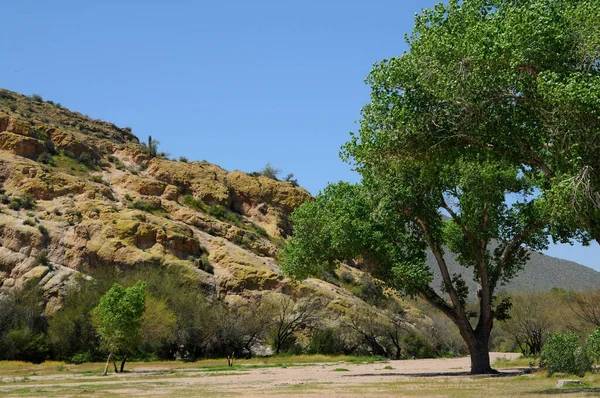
{"x":119,"y":317}
{"x":482,"y":140}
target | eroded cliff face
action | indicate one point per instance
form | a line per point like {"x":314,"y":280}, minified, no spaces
{"x":80,"y":194}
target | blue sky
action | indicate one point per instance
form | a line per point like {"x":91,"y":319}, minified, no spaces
{"x":237,"y":83}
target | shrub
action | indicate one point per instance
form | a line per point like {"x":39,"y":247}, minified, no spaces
{"x":25,"y":202}
{"x":203,"y":263}
{"x":69,"y":154}
{"x":592,"y":344}
{"x":46,"y":158}
{"x":224,"y":214}
{"x":98,"y":179}
{"x":261,"y":231}
{"x":189,"y":200}
{"x":270,"y":172}
{"x":347,"y":277}
{"x":326,"y":342}
{"x":143,"y":205}
{"x":29,"y":221}
{"x":37,"y":98}
{"x":290,"y":178}
{"x":42,"y":259}
{"x":562,"y":353}
{"x":183,"y":159}
{"x":43,"y":230}
{"x":87,"y":159}
{"x":416,"y":347}
{"x":4,"y":199}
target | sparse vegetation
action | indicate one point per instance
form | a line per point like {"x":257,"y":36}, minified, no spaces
{"x":26,"y":202}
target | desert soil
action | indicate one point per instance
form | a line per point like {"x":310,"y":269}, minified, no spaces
{"x":422,"y":377}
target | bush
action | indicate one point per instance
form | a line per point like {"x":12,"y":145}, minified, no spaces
{"x":326,"y":342}
{"x":98,"y":179}
{"x":46,"y":158}
{"x":203,"y":263}
{"x":224,"y":214}
{"x":183,"y":159}
{"x":42,"y":259}
{"x":43,"y":230}
{"x":592,"y":343}
{"x":562,"y":353}
{"x":37,"y":98}
{"x":416,"y":347}
{"x":26,"y":202}
{"x":143,"y":205}
{"x":29,"y":221}
{"x":270,"y":172}
{"x":189,"y":200}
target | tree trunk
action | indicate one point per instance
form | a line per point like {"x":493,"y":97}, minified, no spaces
{"x":108,"y":362}
{"x":123,"y":363}
{"x":478,"y":345}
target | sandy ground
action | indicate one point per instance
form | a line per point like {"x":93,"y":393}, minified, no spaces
{"x":325,"y":379}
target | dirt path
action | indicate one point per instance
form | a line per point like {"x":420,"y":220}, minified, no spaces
{"x":327,"y":379}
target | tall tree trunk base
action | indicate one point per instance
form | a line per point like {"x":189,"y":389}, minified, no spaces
{"x":480,"y":359}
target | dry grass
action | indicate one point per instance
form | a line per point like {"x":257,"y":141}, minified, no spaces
{"x":306,"y":376}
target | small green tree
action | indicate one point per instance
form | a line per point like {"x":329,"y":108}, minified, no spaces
{"x":592,"y":344}
{"x":562,"y":353}
{"x":118,"y":319}
{"x":270,"y":172}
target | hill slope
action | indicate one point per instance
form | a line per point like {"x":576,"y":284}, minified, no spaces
{"x":88,"y":194}
{"x":79,"y":194}
{"x":542,"y":273}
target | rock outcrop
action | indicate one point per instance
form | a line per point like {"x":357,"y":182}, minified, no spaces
{"x":97,"y":199}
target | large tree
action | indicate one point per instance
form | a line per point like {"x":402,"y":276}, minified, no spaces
{"x":517,"y":79}
{"x":386,"y":225}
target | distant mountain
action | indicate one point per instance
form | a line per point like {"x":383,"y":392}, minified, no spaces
{"x":540,"y":274}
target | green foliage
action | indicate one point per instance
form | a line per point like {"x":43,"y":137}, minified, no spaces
{"x":143,"y":205}
{"x":340,"y":224}
{"x":225,"y":214}
{"x":183,"y":159}
{"x":98,"y":179}
{"x":26,"y":202}
{"x":71,"y":331}
{"x":519,"y":80}
{"x":42,"y":259}
{"x":592,"y":344}
{"x":118,"y":316}
{"x":270,"y":172}
{"x":290,"y":178}
{"x":189,"y":200}
{"x":326,"y":342}
{"x":416,"y":347}
{"x":46,"y":158}
{"x":563,"y":354}
{"x":23,"y":325}
{"x":29,"y":221}
{"x":37,"y":98}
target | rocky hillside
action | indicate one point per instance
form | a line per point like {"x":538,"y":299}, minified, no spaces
{"x":79,"y":194}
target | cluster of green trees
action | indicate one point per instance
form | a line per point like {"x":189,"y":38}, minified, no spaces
{"x":158,"y":313}
{"x":482,"y":140}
